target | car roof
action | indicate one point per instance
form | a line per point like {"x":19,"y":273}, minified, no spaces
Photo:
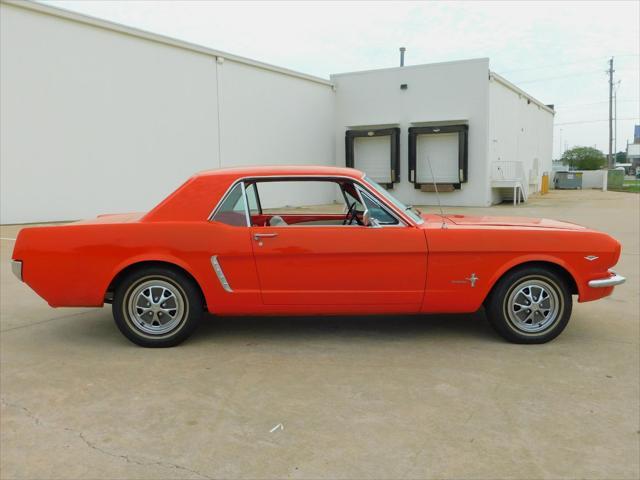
{"x":284,"y":170}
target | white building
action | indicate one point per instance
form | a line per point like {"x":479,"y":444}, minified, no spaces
{"x":97,"y":117}
{"x":633,"y":150}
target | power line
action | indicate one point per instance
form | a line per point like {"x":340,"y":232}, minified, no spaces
{"x":556,"y":65}
{"x":593,"y":72}
{"x":592,"y":59}
{"x":565,"y":105}
{"x":594,"y":121}
{"x":568,"y":75}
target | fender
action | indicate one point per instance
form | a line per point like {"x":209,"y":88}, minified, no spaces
{"x":521,"y":259}
{"x":159,"y":257}
{"x":449,"y":289}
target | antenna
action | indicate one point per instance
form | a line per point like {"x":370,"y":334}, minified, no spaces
{"x":435,"y":186}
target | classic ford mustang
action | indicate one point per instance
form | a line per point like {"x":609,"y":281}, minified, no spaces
{"x":227,"y":243}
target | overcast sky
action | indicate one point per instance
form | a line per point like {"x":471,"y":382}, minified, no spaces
{"x":556,"y":51}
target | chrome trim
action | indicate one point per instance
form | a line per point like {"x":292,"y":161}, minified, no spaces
{"x":358,"y":182}
{"x":221,"y":201}
{"x":16,"y":268}
{"x":362,"y":191}
{"x":220,"y":274}
{"x":246,"y":205}
{"x":612,"y":281}
{"x":591,"y":258}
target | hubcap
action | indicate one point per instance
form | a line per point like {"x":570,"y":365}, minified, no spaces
{"x":533,"y":305}
{"x":156,"y":306}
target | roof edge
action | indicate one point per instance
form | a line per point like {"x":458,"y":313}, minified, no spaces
{"x":503,"y":81}
{"x":158,"y":38}
{"x":413,"y":67}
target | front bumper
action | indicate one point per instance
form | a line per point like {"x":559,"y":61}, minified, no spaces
{"x":16,"y":268}
{"x":611,"y":281}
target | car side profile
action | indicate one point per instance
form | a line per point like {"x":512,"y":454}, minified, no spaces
{"x":225,"y":242}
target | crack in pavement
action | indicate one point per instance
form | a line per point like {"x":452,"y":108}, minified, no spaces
{"x":62,"y":317}
{"x":94,"y":446}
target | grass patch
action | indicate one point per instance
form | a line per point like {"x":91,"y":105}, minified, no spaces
{"x":631,"y":186}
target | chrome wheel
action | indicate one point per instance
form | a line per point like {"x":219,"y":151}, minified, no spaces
{"x":533,"y":305}
{"x":156,"y":306}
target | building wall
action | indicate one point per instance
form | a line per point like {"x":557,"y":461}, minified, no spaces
{"x":271,"y":119}
{"x":452,"y":92}
{"x":95,"y":120}
{"x":97,"y":117}
{"x":520,"y":130}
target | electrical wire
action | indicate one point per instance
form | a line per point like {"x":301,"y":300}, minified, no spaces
{"x":559,"y":77}
{"x":571,"y":105}
{"x":579,"y":62}
{"x":595,"y":121}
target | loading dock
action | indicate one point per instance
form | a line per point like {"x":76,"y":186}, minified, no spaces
{"x":438,"y":154}
{"x":375,"y":151}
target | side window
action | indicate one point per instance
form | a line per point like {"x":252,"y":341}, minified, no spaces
{"x":376,"y":211}
{"x":300,"y":197}
{"x":232,"y":211}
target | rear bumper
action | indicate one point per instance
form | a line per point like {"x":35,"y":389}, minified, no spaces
{"x":611,"y":281}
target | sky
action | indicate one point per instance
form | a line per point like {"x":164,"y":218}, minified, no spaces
{"x":556,"y":51}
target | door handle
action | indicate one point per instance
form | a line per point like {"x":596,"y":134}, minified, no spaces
{"x":258,"y":236}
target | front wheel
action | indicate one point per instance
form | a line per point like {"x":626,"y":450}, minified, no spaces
{"x":530,"y":305}
{"x":157,"y":307}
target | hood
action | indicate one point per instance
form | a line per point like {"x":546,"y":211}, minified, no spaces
{"x":512,"y":222}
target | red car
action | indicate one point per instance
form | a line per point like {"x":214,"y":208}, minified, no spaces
{"x":225,"y":242}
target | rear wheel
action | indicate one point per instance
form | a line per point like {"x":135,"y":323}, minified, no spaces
{"x":530,"y":305}
{"x":157,"y":307}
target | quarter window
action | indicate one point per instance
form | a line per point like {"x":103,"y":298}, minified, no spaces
{"x":377,"y":211}
{"x":232,"y":210}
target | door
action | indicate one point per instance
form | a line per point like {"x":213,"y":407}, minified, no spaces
{"x":442,"y":151}
{"x":340,"y":265}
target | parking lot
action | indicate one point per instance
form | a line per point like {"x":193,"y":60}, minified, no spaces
{"x":337,"y":397}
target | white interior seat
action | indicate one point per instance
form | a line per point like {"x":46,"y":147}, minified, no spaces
{"x":277,"y":221}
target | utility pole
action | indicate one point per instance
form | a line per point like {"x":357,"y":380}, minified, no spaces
{"x":560,"y":144}
{"x":611,"y":112}
{"x":615,"y":121}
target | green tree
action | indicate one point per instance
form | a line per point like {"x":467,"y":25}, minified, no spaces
{"x":584,"y":158}
{"x":621,"y":157}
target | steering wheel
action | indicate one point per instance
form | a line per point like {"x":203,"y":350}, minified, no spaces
{"x":351,"y":215}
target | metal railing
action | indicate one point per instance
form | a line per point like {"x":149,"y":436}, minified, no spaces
{"x":507,"y":171}
{"x":513,"y":173}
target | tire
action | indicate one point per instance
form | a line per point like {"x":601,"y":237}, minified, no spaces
{"x":157,"y":306}
{"x":530,"y":305}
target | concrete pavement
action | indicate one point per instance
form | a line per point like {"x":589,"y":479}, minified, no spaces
{"x":358,"y":397}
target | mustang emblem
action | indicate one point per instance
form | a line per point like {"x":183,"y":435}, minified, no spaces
{"x":472,"y":280}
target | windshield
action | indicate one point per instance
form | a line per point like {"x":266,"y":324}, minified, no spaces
{"x":408,"y":210}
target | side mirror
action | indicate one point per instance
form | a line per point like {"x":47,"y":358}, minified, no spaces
{"x":368,"y":220}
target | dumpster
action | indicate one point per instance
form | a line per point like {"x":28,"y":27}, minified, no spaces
{"x":568,"y":180}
